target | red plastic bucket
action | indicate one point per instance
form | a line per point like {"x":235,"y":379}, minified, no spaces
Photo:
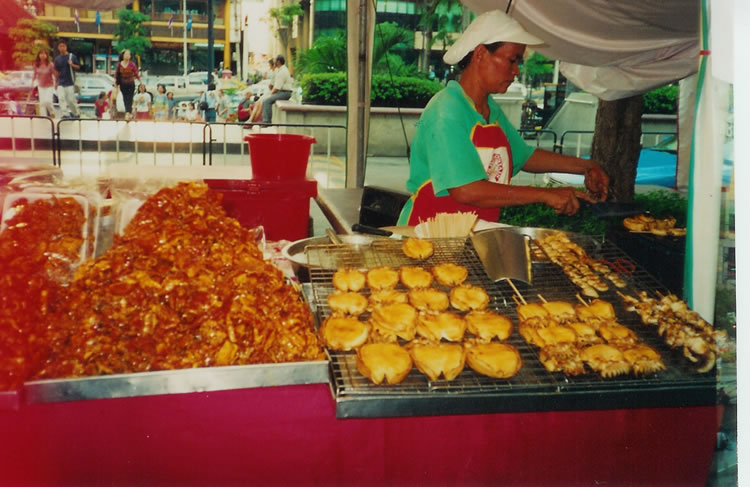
{"x":279,"y":157}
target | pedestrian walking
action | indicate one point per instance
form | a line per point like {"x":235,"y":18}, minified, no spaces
{"x":45,"y":76}
{"x":66,"y":64}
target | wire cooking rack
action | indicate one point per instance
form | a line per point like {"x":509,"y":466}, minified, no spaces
{"x":548,"y":282}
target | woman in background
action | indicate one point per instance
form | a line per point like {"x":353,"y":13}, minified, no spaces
{"x":45,"y":76}
{"x":161,"y":103}
{"x":125,"y":76}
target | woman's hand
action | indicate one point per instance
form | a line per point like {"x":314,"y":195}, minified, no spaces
{"x":596,"y":181}
{"x":565,"y":200}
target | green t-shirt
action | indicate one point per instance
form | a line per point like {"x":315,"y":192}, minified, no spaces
{"x":447,"y":148}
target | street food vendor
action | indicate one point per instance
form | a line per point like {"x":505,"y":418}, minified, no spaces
{"x":466,"y":150}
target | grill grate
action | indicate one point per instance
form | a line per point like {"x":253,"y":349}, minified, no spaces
{"x":548,"y":281}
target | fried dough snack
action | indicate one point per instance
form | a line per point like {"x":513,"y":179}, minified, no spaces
{"x":467,"y":297}
{"x":394,"y":321}
{"x":387,"y":296}
{"x":416,"y":248}
{"x":347,"y":302}
{"x":415,"y":277}
{"x":449,"y":274}
{"x":434,"y":327}
{"x":343,"y":333}
{"x":383,"y":361}
{"x":496,"y":360}
{"x":382,"y":278}
{"x":429,"y":299}
{"x":348,"y":279}
{"x":486,"y":325}
{"x":184,"y":286}
{"x":436,"y":359}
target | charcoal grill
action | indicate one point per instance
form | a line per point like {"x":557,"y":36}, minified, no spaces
{"x":533,"y":388}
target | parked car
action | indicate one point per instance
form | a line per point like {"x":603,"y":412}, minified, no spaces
{"x":93,"y":84}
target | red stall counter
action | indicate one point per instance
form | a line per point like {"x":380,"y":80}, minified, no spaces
{"x":282,"y":207}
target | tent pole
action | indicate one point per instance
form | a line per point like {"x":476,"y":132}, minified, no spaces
{"x":360,"y":25}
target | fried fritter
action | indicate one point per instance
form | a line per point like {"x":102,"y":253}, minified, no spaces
{"x":382,"y":278}
{"x":448,"y":325}
{"x":343,"y":333}
{"x":467,"y":297}
{"x":415,"y":277}
{"x":497,"y":360}
{"x":347,"y":302}
{"x":383,"y":361}
{"x":416,"y":248}
{"x":348,"y":279}
{"x":486,"y":325}
{"x":436,"y":359}
{"x":429,"y":299}
{"x":449,"y":274}
{"x":387,"y":296}
{"x":394,"y":321}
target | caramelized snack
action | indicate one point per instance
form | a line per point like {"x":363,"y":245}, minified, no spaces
{"x":597,"y":309}
{"x":562,"y":357}
{"x":606,"y":360}
{"x":429,"y":299}
{"x":382,"y":278}
{"x":344,"y":333}
{"x":644,"y":360}
{"x":387,"y":296}
{"x":434,"y":360}
{"x":486,"y":325}
{"x":532,"y":313}
{"x":496,"y":360}
{"x":465,"y":298}
{"x":416,"y":248}
{"x":415,"y":277}
{"x":560,"y":311}
{"x":435,"y":327}
{"x":348,"y":279}
{"x":383,"y":361}
{"x":394,"y":321}
{"x":449,"y":274}
{"x":585,"y":334}
{"x":347,"y":302}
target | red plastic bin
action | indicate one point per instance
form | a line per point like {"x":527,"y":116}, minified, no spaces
{"x":279,"y":157}
{"x":282,"y":207}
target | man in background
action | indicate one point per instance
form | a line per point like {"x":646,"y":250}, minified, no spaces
{"x":282,"y":88}
{"x":66,"y":63}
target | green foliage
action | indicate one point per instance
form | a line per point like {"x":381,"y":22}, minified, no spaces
{"x":538,"y":69}
{"x":661,"y":100}
{"x":658,"y":203}
{"x":30,"y":36}
{"x":328,"y":55}
{"x":130,"y":32}
{"x":284,"y":16}
{"x":407,"y":92}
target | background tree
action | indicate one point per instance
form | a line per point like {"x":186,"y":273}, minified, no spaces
{"x":29,"y":37}
{"x":282,"y":19}
{"x":440,"y":19}
{"x":131,"y":34}
{"x":537,"y":69}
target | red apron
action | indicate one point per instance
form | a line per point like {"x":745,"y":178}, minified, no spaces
{"x":494,"y":151}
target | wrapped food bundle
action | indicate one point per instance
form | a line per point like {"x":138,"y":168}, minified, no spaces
{"x":183,"y":286}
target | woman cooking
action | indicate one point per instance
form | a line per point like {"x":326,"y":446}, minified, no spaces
{"x":465,"y":150}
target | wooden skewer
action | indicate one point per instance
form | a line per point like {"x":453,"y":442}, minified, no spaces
{"x":541,"y":298}
{"x":516,"y":291}
{"x":583,"y":301}
{"x":518,"y":303}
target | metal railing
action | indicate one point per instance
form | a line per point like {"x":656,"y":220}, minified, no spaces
{"x":27,"y":133}
{"x":579,"y":134}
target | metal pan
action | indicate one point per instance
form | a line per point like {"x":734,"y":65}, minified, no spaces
{"x":295,"y":251}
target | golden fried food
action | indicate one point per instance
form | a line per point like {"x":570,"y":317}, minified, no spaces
{"x":562,"y":357}
{"x":532,"y":313}
{"x":347,"y":302}
{"x":497,"y":360}
{"x":415,"y":277}
{"x":394,"y":321}
{"x":343,"y":333}
{"x":434,"y":327}
{"x":436,"y":359}
{"x":429,"y":299}
{"x":348,"y":279}
{"x":387,"y":296}
{"x":606,"y":360}
{"x":597,"y":308}
{"x":449,"y":274}
{"x":560,"y":311}
{"x":383,"y":361}
{"x":486,"y":325}
{"x":616,"y":334}
{"x":554,"y":334}
{"x":644,"y":360}
{"x":467,"y":298}
{"x":585,"y":334}
{"x":417,"y":248}
{"x":382,"y":278}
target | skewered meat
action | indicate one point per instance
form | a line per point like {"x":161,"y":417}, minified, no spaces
{"x":562,"y":357}
{"x":644,"y":360}
{"x":607,"y":360}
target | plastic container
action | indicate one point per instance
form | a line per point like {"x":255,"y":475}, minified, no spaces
{"x":279,"y":157}
{"x":281,"y":207}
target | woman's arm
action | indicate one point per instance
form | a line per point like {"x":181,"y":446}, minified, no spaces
{"x":595,"y":179}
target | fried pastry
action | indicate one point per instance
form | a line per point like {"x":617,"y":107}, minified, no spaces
{"x":532,"y":314}
{"x":486,"y":325}
{"x":497,"y":360}
{"x":348,"y":279}
{"x":562,"y":357}
{"x":344,"y":333}
{"x":449,"y":274}
{"x":387,"y":296}
{"x":415,"y":277}
{"x":383,"y":361}
{"x":394,"y":321}
{"x":466,"y":298}
{"x":434,"y":327}
{"x":436,"y":359}
{"x":417,"y":248}
{"x":382,"y":278}
{"x":606,"y":360}
{"x":560,"y":311}
{"x":347,"y":302}
{"x":429,"y":299}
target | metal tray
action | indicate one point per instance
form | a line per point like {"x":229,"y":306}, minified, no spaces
{"x":176,"y":381}
{"x":533,"y":388}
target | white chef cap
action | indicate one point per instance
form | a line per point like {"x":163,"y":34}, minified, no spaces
{"x":490,"y":27}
